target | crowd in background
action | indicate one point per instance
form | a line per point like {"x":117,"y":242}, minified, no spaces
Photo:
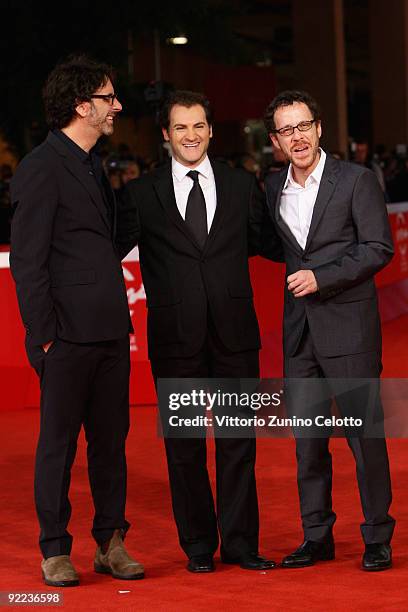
{"x":6,"y":173}
{"x":391,"y":169}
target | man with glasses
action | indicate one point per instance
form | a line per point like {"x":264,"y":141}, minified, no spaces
{"x":333,"y":222}
{"x":73,"y":303}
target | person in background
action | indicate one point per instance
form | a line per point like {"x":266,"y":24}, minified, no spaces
{"x":247,"y":162}
{"x":397,"y":183}
{"x":361,"y":155}
{"x":114,"y":175}
{"x":130,"y":169}
{"x":6,"y":173}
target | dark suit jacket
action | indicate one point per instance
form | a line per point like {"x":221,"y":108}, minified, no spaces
{"x":67,"y":271}
{"x":349,"y":241}
{"x":181,"y":281}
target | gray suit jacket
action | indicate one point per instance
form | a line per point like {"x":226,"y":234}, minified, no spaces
{"x":348,"y":242}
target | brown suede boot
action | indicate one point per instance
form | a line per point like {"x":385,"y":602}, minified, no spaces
{"x":116,"y":561}
{"x":58,"y":571}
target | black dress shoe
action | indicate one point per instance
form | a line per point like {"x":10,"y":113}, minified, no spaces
{"x":308,"y":553}
{"x":251,"y":561}
{"x":377,"y":557}
{"x":201,"y":564}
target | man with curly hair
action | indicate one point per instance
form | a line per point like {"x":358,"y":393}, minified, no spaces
{"x":73,"y":303}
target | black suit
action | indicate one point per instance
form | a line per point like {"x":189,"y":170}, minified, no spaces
{"x":182,"y":282}
{"x":71,"y":291}
{"x":201,"y":323}
{"x":336,"y":332}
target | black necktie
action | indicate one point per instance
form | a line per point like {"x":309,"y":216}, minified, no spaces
{"x":196,"y":211}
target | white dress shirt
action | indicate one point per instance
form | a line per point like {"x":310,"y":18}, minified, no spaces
{"x":297,"y":202}
{"x":183,"y":184}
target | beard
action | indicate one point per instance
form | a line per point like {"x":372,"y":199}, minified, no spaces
{"x":308,"y":160}
{"x":106,"y":128}
{"x":100,"y":123}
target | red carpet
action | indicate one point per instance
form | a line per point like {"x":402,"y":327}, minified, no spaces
{"x":337,"y":585}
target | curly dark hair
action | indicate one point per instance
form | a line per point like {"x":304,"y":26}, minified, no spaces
{"x":183,"y":98}
{"x":71,"y":82}
{"x":286,"y":98}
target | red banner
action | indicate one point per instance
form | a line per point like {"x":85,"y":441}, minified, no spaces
{"x":19,"y":384}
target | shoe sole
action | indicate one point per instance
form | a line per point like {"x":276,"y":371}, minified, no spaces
{"x":376,"y":569}
{"x":254,"y":569}
{"x":101,"y":569}
{"x":201,"y":571}
{"x":300,"y":565}
{"x":60,"y":583}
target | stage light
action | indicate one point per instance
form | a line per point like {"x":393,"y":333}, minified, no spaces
{"x":178,"y":40}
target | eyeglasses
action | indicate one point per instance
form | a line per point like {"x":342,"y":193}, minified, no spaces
{"x":303,"y":126}
{"x":107,"y":97}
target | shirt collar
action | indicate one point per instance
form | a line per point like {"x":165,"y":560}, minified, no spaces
{"x":180,"y":171}
{"x":76,"y":149}
{"x":315,"y":176}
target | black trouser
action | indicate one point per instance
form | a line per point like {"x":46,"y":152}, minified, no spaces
{"x":81,"y":384}
{"x":192,"y":498}
{"x":313,"y":456}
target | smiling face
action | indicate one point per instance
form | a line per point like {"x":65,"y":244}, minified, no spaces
{"x":301,"y":148}
{"x":188,"y":134}
{"x":102,"y":112}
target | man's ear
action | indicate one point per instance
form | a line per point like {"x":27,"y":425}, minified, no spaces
{"x":319,"y":128}
{"x":165,"y":135}
{"x":211,"y":131}
{"x":83,"y":109}
{"x":274,"y":141}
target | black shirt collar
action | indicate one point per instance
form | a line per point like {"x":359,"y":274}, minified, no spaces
{"x":91,"y":159}
{"x":85,"y":157}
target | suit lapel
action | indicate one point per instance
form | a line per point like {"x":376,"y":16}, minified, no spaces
{"x":222,"y":188}
{"x":163,"y":185}
{"x":327,"y":185}
{"x":80,"y":172}
{"x":110,"y":200}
